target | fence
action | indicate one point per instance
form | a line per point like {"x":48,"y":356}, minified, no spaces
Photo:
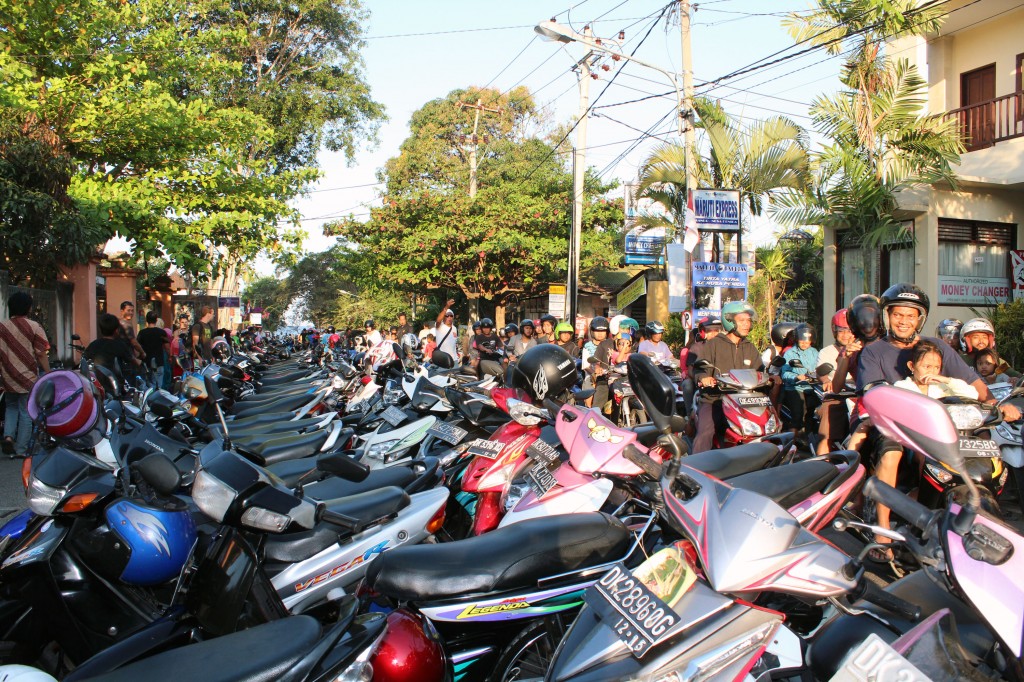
{"x":52,"y":308}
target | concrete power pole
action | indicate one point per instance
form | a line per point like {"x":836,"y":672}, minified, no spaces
{"x":578,"y":176}
{"x":687,"y":113}
{"x":474,"y":139}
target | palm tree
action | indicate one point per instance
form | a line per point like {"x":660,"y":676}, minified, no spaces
{"x":880,"y":142}
{"x":757,"y":159}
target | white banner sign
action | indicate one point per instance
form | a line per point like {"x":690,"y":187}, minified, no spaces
{"x":678,"y":279}
{"x":717,"y":209}
{"x":973,"y":290}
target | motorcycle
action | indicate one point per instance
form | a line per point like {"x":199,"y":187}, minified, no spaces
{"x":749,"y":413}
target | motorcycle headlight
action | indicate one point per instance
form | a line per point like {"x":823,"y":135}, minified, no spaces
{"x":378,"y":450}
{"x":965,"y":416}
{"x":516,"y":492}
{"x":750,"y":428}
{"x":43,"y":499}
{"x":393,"y":397}
{"x":264,"y":519}
{"x":212,"y":495}
{"x":939,"y":473}
{"x":772,"y":425}
{"x":524,"y":413}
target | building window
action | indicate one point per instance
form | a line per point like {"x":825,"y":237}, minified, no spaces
{"x":974,"y":262}
{"x":862,"y":270}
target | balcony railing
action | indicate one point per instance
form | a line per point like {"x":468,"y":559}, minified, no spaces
{"x":986,"y":123}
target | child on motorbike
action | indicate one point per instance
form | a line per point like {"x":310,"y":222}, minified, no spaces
{"x":986,"y":361}
{"x":799,"y":399}
{"x":925,"y":366}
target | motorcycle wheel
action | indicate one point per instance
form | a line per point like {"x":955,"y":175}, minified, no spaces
{"x":529,"y":653}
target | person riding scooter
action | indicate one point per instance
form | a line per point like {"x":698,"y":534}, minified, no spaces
{"x":724,"y":352}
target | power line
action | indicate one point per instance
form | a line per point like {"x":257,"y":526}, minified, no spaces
{"x":335,"y":189}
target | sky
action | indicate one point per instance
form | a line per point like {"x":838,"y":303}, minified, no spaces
{"x":418,"y":51}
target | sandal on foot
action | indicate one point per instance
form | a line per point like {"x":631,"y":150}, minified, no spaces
{"x":7,"y":446}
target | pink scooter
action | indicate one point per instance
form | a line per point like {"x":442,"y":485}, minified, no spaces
{"x":606,"y":465}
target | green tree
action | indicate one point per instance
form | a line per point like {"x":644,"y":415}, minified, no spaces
{"x":512,"y":236}
{"x":880,"y":143}
{"x":271,"y":294}
{"x":166,"y":110}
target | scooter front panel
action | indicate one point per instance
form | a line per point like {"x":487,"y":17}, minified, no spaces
{"x":594,"y":443}
{"x":509,"y":606}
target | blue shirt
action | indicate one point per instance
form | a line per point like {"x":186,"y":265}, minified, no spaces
{"x":809,"y":359}
{"x":882,"y":361}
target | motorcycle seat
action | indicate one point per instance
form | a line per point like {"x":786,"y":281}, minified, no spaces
{"x":286,"y":404}
{"x":367,"y":507}
{"x":262,"y":418}
{"x":274,"y":393}
{"x":512,"y":557}
{"x":284,"y":379}
{"x":274,"y":429}
{"x":291,"y":471}
{"x":278,"y":650}
{"x":285,"y":447}
{"x":734,"y":461}
{"x":789,"y":484}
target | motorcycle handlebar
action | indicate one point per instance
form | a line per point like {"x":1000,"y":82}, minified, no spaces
{"x":913,"y":511}
{"x":870,"y":592}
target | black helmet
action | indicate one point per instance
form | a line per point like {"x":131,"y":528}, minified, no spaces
{"x":599,"y":324}
{"x":511,"y":328}
{"x":864,"y":317}
{"x":544,"y":371}
{"x":410,"y":342}
{"x":549,"y":318}
{"x":654,"y":327}
{"x":909,"y":295}
{"x":781,"y":332}
{"x":804,"y":332}
{"x":476,"y":326}
{"x":330,"y":330}
{"x":527,"y":322}
{"x":706,"y":324}
{"x":487,"y":322}
{"x":370,"y":324}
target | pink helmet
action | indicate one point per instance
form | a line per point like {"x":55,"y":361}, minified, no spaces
{"x":75,"y":409}
{"x":839,"y":321}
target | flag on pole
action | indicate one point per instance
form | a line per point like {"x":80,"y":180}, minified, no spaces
{"x":691,"y":234}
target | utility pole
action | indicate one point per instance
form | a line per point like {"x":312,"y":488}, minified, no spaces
{"x":578,"y":176}
{"x":474,"y":139}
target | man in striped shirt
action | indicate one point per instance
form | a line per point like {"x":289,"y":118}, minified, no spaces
{"x":23,"y":348}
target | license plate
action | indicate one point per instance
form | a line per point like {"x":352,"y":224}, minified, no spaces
{"x":482,"y":447}
{"x":875,"y":660}
{"x":393,"y":416}
{"x":979,"y":447}
{"x":449,"y":433}
{"x":639,"y":617}
{"x":540,"y":479}
{"x":544,"y":453}
{"x":753,"y":401}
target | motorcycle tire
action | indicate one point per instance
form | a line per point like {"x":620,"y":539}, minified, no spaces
{"x":530,"y":652}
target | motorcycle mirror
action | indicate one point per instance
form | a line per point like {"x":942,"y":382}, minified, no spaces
{"x":76,"y":337}
{"x":824,"y":369}
{"x":341,"y":465}
{"x":654,"y":389}
{"x":704,"y":366}
{"x":778,"y":361}
{"x":159,"y":472}
{"x":796,"y":364}
{"x":46,"y":395}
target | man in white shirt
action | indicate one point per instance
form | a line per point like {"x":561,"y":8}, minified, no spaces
{"x":444,"y":331}
{"x":373,"y":336}
{"x":653,"y":345}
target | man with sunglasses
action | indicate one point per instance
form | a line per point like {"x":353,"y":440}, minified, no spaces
{"x":444,"y":331}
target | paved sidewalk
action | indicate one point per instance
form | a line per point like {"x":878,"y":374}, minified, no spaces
{"x":12,"y":494}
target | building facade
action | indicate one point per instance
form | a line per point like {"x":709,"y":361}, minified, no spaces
{"x":956,"y":244}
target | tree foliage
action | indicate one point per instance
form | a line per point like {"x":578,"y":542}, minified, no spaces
{"x":270,"y":294}
{"x":512,"y":236}
{"x":189,"y":125}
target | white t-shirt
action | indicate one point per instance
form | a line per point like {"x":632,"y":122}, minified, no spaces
{"x":955,"y":387}
{"x":447,"y":340}
{"x":373,"y":338}
{"x":660,"y":350}
{"x":829,"y":354}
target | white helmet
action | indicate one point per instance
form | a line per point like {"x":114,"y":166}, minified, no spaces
{"x":23,"y":673}
{"x":613,"y":324}
{"x":977,"y":324}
